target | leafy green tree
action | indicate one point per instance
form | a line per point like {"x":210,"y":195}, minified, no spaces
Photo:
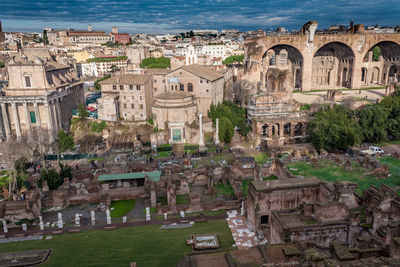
{"x":191,"y":34}
{"x":45,"y":38}
{"x":65,"y":141}
{"x":373,"y":123}
{"x":233,"y":59}
{"x":83,"y":113}
{"x":226,"y":130}
{"x":2,"y":65}
{"x":334,"y":129}
{"x":65,"y":172}
{"x":235,"y":114}
{"x":98,"y":127}
{"x":52,"y":177}
{"x":153,"y":63}
{"x":97,"y":85}
{"x":376,"y":52}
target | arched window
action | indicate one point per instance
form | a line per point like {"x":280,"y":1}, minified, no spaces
{"x":190,"y":87}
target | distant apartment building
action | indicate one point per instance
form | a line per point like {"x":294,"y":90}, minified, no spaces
{"x":126,"y":97}
{"x":105,"y":64}
{"x":87,"y":69}
{"x":122,"y":38}
{"x":70,"y":37}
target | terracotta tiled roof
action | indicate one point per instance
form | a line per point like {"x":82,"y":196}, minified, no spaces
{"x":203,"y":72}
{"x":127,"y":79}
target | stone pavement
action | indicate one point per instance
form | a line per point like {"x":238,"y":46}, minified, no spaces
{"x":243,"y":236}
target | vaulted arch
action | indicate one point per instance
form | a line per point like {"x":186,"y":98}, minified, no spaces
{"x":283,"y":65}
{"x":332,"y":66}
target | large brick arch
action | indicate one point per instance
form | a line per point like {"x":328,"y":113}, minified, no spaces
{"x":359,"y":44}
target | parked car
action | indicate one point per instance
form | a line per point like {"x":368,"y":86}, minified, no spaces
{"x":373,"y":150}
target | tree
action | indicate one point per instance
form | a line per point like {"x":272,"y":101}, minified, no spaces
{"x":97,"y":85}
{"x":226,"y":130}
{"x":82,"y":112}
{"x":191,"y":34}
{"x":65,"y":172}
{"x":155,"y":63}
{"x":333,"y":129}
{"x":233,"y":59}
{"x":65,"y":141}
{"x":2,"y":65}
{"x":235,"y":114}
{"x":52,"y":177}
{"x":376,"y":53}
{"x":45,"y":38}
{"x":373,"y":123}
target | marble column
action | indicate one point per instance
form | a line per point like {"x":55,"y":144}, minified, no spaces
{"x":5,"y":121}
{"x":58,"y":113}
{"x":54,"y":118}
{"x":38,"y":121}
{"x":28,"y":121}
{"x":217,"y":131}
{"x":201,"y":138}
{"x":49,"y":122}
{"x":16,"y":120}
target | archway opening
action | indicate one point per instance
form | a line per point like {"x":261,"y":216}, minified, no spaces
{"x":382,"y":61}
{"x":283,"y":65}
{"x":298,"y":129}
{"x":332,"y":66}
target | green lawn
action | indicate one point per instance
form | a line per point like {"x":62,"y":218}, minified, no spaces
{"x":183,"y":199}
{"x":261,"y":158}
{"x":147,"y":245}
{"x":224,"y":190}
{"x":122,"y":207}
{"x":331,"y":172}
{"x":245,"y":186}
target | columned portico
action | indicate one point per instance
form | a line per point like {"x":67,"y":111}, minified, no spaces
{"x":54,"y":117}
{"x":58,"y":113}
{"x":16,"y":120}
{"x":28,"y":121}
{"x":38,"y":121}
{"x":49,"y":121}
{"x":6,"y":123}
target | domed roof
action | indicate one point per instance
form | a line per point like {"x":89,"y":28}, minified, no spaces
{"x":173,"y":80}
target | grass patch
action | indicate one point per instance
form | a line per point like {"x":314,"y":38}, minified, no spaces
{"x":146,"y":245}
{"x":329,"y":171}
{"x":162,"y":200}
{"x":270,"y":178}
{"x":261,"y":158}
{"x":101,"y":159}
{"x":183,"y":199}
{"x":223,"y":190}
{"x":121,"y":207}
{"x":245,"y":186}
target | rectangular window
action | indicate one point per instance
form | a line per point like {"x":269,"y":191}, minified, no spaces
{"x":182,"y":87}
{"x":33,"y":116}
{"x":140,"y":97}
{"x":28,"y":81}
{"x":137,"y":87}
{"x":124,"y":105}
{"x":155,"y":88}
{"x":155,"y":81}
{"x":131,"y":87}
{"x":141,"y":106}
{"x":114,"y":87}
{"x":132,"y":106}
{"x":121,"y":87}
{"x":201,"y":81}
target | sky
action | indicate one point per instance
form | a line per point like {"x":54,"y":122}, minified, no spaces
{"x":140,"y":16}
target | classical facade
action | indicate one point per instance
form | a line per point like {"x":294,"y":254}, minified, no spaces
{"x":127,"y":97}
{"x":38,"y":100}
{"x":325,"y":61}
